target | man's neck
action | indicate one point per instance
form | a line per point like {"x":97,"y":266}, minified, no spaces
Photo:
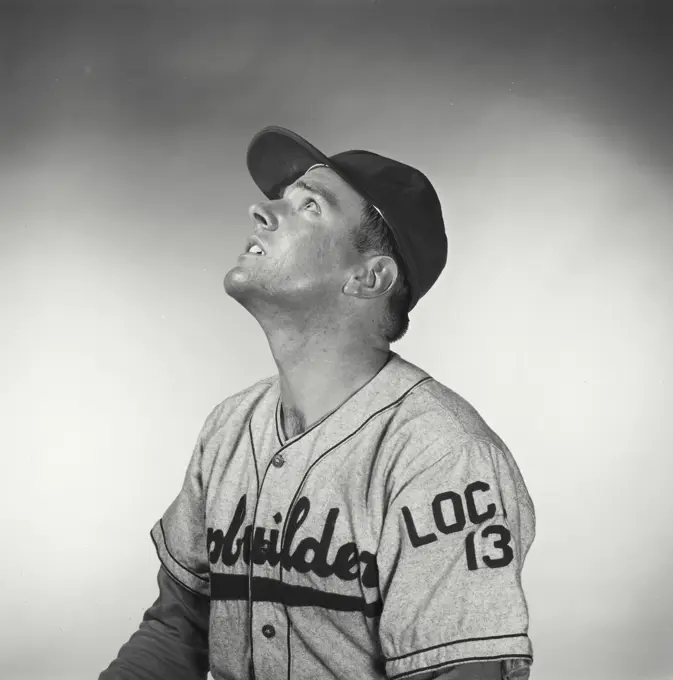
{"x":318,"y":374}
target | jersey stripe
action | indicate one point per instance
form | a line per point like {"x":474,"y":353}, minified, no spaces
{"x":235,"y":587}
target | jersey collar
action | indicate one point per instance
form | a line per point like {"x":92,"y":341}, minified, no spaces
{"x":387,"y":388}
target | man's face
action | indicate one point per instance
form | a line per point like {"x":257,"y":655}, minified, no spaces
{"x":306,"y":243}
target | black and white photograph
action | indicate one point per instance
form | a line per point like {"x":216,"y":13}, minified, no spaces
{"x":336,"y":339}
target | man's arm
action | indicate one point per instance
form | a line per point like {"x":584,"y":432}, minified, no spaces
{"x":172,"y":640}
{"x":484,"y":670}
{"x":509,"y":669}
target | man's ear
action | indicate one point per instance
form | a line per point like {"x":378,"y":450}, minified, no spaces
{"x":373,"y":278}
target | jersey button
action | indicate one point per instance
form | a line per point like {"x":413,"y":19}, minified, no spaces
{"x":278,"y":460}
{"x":264,"y":547}
{"x":268,"y":631}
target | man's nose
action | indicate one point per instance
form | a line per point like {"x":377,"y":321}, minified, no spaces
{"x":262,"y":216}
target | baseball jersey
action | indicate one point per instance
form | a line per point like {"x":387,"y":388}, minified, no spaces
{"x":386,"y":539}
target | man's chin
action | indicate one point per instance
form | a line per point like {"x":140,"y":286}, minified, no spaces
{"x":240,"y":284}
{"x":247,"y":288}
{"x":236,"y":282}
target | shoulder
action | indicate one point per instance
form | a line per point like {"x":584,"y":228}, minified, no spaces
{"x":436,"y":433}
{"x":434,"y":412}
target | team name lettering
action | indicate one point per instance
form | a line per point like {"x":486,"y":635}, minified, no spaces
{"x":309,"y":555}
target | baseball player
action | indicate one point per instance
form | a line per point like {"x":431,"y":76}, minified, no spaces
{"x":350,"y":516}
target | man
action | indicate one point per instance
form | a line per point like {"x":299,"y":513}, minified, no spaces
{"x":349,"y":517}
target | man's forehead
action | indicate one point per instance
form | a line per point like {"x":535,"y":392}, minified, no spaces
{"x":323,"y":173}
{"x":322,"y":176}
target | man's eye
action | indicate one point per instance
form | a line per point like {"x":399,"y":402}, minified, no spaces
{"x":312,"y":205}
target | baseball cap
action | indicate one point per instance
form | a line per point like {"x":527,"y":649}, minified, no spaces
{"x":403,"y":196}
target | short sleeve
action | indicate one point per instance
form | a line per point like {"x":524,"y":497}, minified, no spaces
{"x":179,"y":535}
{"x":457,"y":529}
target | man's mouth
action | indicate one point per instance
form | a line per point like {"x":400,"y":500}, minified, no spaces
{"x":254,"y":246}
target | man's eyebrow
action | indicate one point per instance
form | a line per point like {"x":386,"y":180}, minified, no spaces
{"x":329,"y":196}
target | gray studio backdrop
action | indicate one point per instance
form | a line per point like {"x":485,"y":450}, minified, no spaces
{"x":123,"y":198}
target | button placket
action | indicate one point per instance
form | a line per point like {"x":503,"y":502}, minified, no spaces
{"x":268,"y":623}
{"x":269,"y":630}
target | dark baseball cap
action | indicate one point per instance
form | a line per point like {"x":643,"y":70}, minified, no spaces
{"x":402,"y":195}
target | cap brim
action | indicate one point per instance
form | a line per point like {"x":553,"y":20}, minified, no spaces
{"x":276,"y":157}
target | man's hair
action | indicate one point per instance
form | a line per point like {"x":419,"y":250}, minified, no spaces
{"x":373,"y":234}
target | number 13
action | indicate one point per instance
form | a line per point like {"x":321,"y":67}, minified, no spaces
{"x":501,"y":543}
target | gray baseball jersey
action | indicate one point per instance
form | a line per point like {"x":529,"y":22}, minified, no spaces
{"x":386,"y":539}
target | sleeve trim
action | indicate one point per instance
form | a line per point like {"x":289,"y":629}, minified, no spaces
{"x":491,"y":648}
{"x":182,"y":585}
{"x":454,"y":642}
{"x":455,"y":662}
{"x":163,"y":536}
{"x":185,"y":577}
